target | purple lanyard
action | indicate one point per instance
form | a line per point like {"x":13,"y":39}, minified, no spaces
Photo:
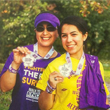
{"x":66,"y":69}
{"x":47,"y":56}
{"x":29,"y":59}
{"x":80,"y":65}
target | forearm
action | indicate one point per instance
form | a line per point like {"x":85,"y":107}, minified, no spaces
{"x":107,"y":102}
{"x":8,"y":79}
{"x":45,"y":100}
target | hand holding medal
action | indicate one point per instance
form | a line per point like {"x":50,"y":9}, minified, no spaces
{"x":29,"y":59}
{"x":19,"y":53}
{"x":54,"y":78}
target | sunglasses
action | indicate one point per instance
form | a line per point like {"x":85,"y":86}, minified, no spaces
{"x":49,"y":28}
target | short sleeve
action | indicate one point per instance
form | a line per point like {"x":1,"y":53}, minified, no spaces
{"x":42,"y":83}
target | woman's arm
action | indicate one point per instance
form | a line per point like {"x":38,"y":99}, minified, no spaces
{"x":8,"y":79}
{"x":45,"y":100}
{"x":107,"y":102}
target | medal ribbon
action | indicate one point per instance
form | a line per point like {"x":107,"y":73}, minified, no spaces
{"x":78,"y":71}
{"x":29,"y":59}
{"x":47,"y":56}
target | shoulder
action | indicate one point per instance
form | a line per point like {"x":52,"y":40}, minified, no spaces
{"x":58,"y":59}
{"x":58,"y":54}
{"x":94,"y":61}
{"x":91,"y":56}
{"x":30,"y":47}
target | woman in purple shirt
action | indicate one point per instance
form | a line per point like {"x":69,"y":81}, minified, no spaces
{"x":25,"y":65}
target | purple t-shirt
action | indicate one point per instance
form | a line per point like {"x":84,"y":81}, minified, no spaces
{"x":25,"y":94}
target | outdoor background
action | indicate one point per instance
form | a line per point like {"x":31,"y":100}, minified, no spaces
{"x":17,"y":28}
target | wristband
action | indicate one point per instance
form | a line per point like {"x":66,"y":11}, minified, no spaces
{"x":12,"y":70}
{"x":50,"y":86}
{"x":48,"y":90}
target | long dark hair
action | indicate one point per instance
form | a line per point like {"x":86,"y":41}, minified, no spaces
{"x":76,"y":21}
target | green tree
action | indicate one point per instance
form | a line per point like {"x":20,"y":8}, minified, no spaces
{"x":17,"y":23}
{"x":17,"y":19}
{"x":95,"y":12}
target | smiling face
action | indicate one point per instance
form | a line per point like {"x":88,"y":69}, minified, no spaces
{"x":72,"y":40}
{"x":44,"y":36}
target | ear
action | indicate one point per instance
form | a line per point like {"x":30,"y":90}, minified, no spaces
{"x":57,"y":35}
{"x":85,"y":36}
{"x":35,"y":30}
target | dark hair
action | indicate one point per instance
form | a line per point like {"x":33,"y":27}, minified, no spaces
{"x":76,"y":21}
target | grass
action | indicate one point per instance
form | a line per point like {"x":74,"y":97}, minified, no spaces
{"x":106,"y":65}
{"x":5,"y":98}
{"x":107,"y":76}
{"x":1,"y":66}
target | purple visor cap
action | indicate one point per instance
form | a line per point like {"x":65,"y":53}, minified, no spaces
{"x":48,"y":17}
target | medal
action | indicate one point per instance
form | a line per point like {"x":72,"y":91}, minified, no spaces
{"x":28,"y":60}
{"x":66,"y":69}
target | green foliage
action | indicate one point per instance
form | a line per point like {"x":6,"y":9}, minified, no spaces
{"x":17,"y":23}
{"x":17,"y":28}
{"x":99,"y":23}
{"x":107,"y":76}
{"x":5,"y":100}
{"x":106,"y":64}
{"x":95,"y":14}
